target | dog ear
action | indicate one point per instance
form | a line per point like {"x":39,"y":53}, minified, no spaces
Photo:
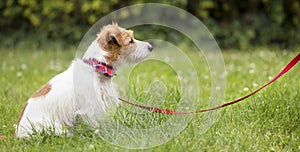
{"x":114,"y":39}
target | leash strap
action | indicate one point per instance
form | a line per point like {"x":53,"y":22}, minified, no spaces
{"x":169,"y":111}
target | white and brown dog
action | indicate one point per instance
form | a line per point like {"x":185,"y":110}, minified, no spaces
{"x":85,"y":89}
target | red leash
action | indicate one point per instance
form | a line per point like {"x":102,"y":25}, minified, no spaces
{"x":168,"y":111}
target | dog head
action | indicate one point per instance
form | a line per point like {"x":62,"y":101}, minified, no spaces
{"x":118,"y":46}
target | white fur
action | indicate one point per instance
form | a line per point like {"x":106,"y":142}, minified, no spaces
{"x":140,"y":53}
{"x":99,"y":55}
{"x":77,"y":92}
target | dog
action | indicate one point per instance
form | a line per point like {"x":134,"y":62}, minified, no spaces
{"x":85,"y":89}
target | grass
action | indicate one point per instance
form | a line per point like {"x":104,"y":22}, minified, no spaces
{"x":268,"y":121}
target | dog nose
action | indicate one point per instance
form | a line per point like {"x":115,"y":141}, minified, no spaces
{"x":150,"y":47}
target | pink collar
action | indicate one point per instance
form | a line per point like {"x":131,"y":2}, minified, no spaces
{"x":100,"y":67}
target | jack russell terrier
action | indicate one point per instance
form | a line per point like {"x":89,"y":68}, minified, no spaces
{"x":85,"y":89}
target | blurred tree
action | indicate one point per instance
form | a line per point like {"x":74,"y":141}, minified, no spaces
{"x":234,"y":23}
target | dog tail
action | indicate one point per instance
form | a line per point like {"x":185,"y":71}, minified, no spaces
{"x":2,"y":137}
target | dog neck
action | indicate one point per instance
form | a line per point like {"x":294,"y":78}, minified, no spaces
{"x":95,"y":56}
{"x":100,"y":67}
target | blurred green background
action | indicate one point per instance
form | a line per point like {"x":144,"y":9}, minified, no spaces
{"x":234,"y":23}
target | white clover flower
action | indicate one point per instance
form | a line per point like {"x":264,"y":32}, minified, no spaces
{"x":19,"y":74}
{"x":23,"y":66}
{"x":255,"y":84}
{"x":251,"y":71}
{"x":270,"y":77}
{"x":96,"y":131}
{"x":91,"y":147}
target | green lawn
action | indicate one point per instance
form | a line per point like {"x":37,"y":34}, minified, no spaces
{"x":268,"y":121}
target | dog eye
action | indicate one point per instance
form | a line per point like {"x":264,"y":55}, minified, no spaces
{"x":131,"y":41}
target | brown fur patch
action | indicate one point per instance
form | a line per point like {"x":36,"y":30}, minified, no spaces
{"x":39,"y":93}
{"x":114,"y":51}
{"x":115,"y":41}
{"x":42,"y":91}
{"x":21,"y":115}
